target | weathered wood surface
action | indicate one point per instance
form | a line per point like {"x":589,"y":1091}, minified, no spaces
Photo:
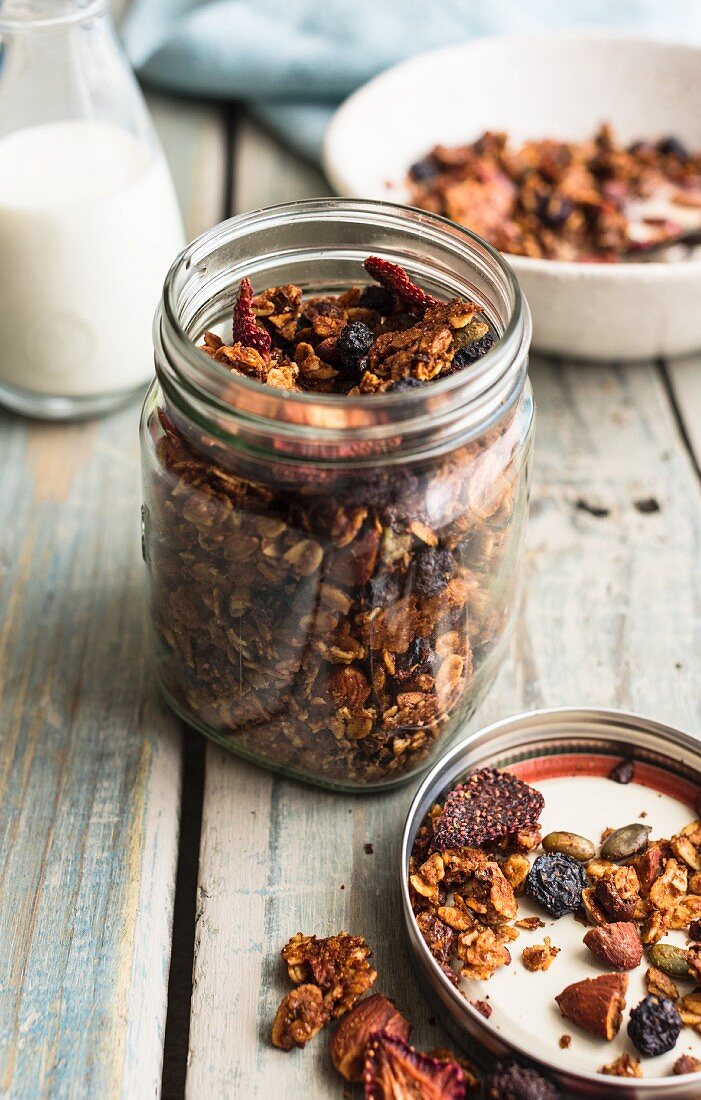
{"x":611,"y":617}
{"x":89,"y":761}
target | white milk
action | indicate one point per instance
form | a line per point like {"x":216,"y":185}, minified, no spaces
{"x":89,"y":226}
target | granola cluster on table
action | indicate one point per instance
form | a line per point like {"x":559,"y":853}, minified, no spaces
{"x":482,"y":848}
{"x":332,"y":621}
{"x":563,"y":200}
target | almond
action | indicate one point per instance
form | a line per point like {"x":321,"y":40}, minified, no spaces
{"x":373,"y":1015}
{"x":596,"y":1004}
{"x":618,"y":945}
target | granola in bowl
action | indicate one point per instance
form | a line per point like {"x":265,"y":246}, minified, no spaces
{"x":338,"y":619}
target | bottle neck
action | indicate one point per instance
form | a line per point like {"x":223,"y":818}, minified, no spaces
{"x":33,"y":16}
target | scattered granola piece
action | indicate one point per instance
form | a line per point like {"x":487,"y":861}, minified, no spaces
{"x":481,"y":953}
{"x":565,"y":1042}
{"x":300,"y":1016}
{"x":596,"y":1004}
{"x":337,"y":964}
{"x":539,"y":956}
{"x":530,"y":924}
{"x":624,"y":1066}
{"x":515,"y":869}
{"x":483,"y":1007}
{"x":686,"y":1064}
{"x":659,"y":983}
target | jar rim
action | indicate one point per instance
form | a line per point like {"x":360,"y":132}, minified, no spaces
{"x":27,"y":16}
{"x":498,"y":375}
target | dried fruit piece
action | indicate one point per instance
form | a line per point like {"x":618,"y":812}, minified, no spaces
{"x":618,"y":945}
{"x":394,"y":1070}
{"x":514,"y":1082}
{"x":468,"y":354}
{"x":569,"y":844}
{"x":624,"y":1066}
{"x":596,"y":1004}
{"x":395,"y":279}
{"x":556,"y":882}
{"x":300,"y":1016}
{"x":671,"y":960}
{"x":354,"y":342}
{"x":246,"y":329}
{"x":625,"y":842}
{"x":622,"y":772}
{"x":489,"y":805}
{"x":654,"y":1026}
{"x":370,"y":1016}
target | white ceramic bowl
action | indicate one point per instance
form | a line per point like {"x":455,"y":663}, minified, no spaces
{"x":560,"y":85}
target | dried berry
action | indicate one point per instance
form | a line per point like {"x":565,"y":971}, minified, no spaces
{"x":394,"y":1069}
{"x":424,"y":170}
{"x":246,"y":329}
{"x":673,"y":147}
{"x":354,"y":343}
{"x":377,"y":299}
{"x":514,"y":1082}
{"x":434,"y":568}
{"x":395,"y":279}
{"x":489,"y":805}
{"x":470,"y":353}
{"x":654,"y":1026}
{"x":556,"y":882}
{"x":622,"y":772}
{"x":407,"y":383}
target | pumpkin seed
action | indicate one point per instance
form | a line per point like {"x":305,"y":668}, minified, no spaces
{"x":626,"y":842}
{"x":672,"y":961}
{"x":570,"y":844}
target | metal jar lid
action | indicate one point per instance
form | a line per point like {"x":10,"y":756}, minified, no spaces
{"x":536,"y":734}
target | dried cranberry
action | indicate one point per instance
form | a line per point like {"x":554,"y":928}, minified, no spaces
{"x":654,"y":1025}
{"x":513,"y":1082}
{"x":556,"y":882}
{"x":354,"y":343}
{"x":377,"y":298}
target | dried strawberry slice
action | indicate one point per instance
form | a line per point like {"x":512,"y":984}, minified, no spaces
{"x":395,"y":1071}
{"x":489,"y":805}
{"x":246,"y":329}
{"x":394,"y":278}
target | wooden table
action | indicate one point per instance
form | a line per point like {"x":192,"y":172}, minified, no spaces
{"x":124,"y":836}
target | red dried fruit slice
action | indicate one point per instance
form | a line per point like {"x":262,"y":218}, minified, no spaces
{"x":393,"y":1069}
{"x":246,"y":329}
{"x":395,"y":279}
{"x":489,"y":805}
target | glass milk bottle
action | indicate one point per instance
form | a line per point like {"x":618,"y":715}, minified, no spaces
{"x":89,"y":221}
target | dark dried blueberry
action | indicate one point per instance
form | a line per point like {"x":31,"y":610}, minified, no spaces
{"x":354,"y":343}
{"x":424,"y":170}
{"x":513,"y":1082}
{"x":465,"y":357}
{"x":383,"y":589}
{"x":622,"y":772}
{"x":377,"y":298}
{"x":553,"y":210}
{"x":556,"y":882}
{"x":673,"y":147}
{"x":433,"y":569}
{"x":654,"y":1025}
{"x":406,"y":383}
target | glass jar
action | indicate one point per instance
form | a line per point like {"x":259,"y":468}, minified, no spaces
{"x":89,"y":220}
{"x":332,"y":578}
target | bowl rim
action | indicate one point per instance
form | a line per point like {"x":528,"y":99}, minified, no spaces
{"x":561,"y":269}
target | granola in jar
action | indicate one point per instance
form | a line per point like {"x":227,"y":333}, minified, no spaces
{"x":332,"y":582}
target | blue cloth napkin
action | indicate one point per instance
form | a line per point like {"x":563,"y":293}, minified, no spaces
{"x":292,"y":61}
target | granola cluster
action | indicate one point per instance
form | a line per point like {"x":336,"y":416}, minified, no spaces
{"x":588,"y":200}
{"x":631,"y":892}
{"x":332,"y":622}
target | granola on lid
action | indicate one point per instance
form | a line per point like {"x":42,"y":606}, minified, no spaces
{"x":331,"y":621}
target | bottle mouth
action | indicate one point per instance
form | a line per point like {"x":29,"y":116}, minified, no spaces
{"x":18,"y":16}
{"x":320,"y":244}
